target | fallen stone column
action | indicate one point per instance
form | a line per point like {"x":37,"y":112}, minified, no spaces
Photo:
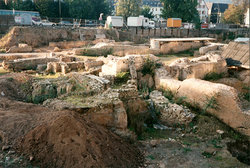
{"x":205,"y":49}
{"x":217,"y":99}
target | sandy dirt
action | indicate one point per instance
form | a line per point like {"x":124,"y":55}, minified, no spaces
{"x":60,"y":138}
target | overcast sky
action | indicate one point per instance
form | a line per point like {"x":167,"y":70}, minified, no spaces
{"x":220,"y":1}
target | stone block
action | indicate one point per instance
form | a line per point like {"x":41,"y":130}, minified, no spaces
{"x":170,"y":114}
{"x":206,"y":49}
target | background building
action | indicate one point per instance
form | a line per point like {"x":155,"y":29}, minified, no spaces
{"x":203,"y":11}
{"x":216,"y":12}
{"x":247,"y":18}
{"x":155,"y":7}
{"x":220,"y":1}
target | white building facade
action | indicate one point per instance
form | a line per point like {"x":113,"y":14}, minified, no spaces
{"x":247,"y":18}
{"x":155,"y":7}
{"x":203,"y":11}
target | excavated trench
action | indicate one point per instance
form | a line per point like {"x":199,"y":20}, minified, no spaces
{"x":13,"y":83}
{"x":240,"y":150}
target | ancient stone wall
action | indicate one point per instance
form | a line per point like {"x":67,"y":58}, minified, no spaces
{"x":40,"y":36}
{"x":221,"y":35}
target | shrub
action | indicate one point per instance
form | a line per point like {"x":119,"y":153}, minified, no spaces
{"x":246,"y":95}
{"x":121,"y":77}
{"x":149,"y":67}
{"x":97,"y":52}
{"x":213,"y":76}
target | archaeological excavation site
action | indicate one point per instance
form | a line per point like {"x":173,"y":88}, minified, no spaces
{"x":95,"y":97}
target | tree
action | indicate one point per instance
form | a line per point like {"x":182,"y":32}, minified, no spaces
{"x":98,"y":7}
{"x":27,"y":5}
{"x":47,"y":8}
{"x":234,"y":14}
{"x":79,"y":9}
{"x":87,"y":9}
{"x":243,"y":3}
{"x":146,"y":12}
{"x":128,"y":8}
{"x":3,"y":5}
{"x":184,"y":9}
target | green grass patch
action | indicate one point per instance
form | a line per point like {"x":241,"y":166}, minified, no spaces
{"x":218,"y":158}
{"x":215,"y":142}
{"x":93,"y":52}
{"x":246,"y":95}
{"x":186,"y":150}
{"x":50,"y":93}
{"x":151,"y":157}
{"x":207,"y":155}
{"x":49,"y":76}
{"x":149,"y":67}
{"x":151,"y":133}
{"x":187,"y":53}
{"x":211,"y":104}
{"x":121,"y":77}
{"x":213,"y":76}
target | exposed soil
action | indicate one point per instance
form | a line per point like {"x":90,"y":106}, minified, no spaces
{"x":198,"y":145}
{"x":240,"y":150}
{"x":60,"y":139}
{"x":14,"y":85}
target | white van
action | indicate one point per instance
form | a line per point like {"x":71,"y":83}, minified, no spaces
{"x":115,"y":21}
{"x":151,"y":24}
{"x":140,"y":21}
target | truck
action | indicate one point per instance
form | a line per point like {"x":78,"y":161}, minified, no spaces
{"x":188,"y":25}
{"x":174,"y":22}
{"x":140,"y":21}
{"x":24,"y":19}
{"x":114,"y":21}
{"x":151,"y":24}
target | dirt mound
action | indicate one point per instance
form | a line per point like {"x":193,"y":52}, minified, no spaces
{"x":61,"y":138}
{"x":18,"y":118}
{"x":71,"y":141}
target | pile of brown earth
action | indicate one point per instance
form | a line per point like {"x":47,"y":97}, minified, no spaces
{"x":71,"y":141}
{"x":61,"y":138}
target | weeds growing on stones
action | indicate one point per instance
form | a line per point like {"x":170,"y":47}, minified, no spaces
{"x":149,"y":67}
{"x":213,"y":76}
{"x":122,"y":77}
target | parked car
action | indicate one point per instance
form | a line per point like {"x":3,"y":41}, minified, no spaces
{"x":44,"y":23}
{"x":65,"y":23}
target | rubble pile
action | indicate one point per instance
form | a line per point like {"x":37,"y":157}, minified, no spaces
{"x":170,"y":113}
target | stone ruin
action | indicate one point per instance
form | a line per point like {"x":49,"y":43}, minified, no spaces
{"x":197,"y":67}
{"x":108,"y":106}
{"x":182,"y":77}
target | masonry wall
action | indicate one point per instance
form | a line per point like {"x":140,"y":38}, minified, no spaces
{"x":41,"y":36}
{"x":221,"y":35}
